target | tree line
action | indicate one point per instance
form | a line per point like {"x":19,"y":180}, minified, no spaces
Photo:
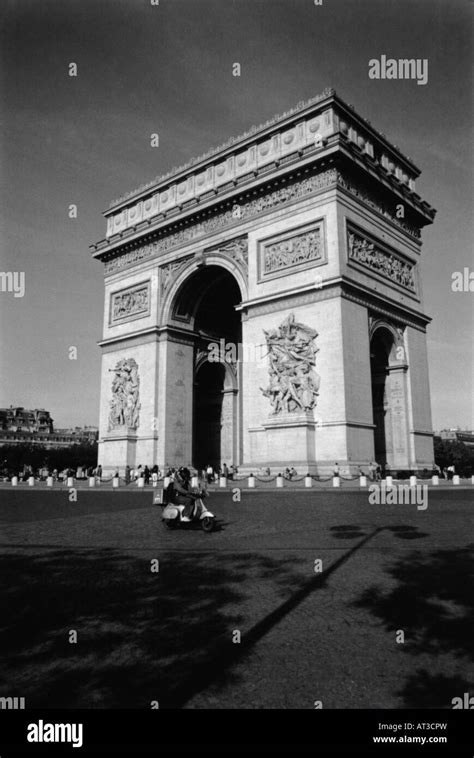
{"x":14,"y":458}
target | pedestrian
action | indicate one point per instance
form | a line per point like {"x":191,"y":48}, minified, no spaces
{"x":336,"y":469}
{"x":146,"y":474}
{"x":127,"y":474}
{"x":209,"y":473}
{"x":99,"y":472}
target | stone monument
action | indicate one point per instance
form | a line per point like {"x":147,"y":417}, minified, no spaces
{"x":296,"y":248}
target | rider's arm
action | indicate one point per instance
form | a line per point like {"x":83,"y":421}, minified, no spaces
{"x":180,"y":489}
{"x":183,"y":491}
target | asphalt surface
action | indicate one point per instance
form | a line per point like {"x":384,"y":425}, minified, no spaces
{"x":296,"y":597}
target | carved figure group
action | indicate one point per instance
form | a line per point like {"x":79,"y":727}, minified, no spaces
{"x":365,"y":252}
{"x":124,"y":405}
{"x":294,"y":385}
{"x":129,"y":303}
{"x":291,"y":252}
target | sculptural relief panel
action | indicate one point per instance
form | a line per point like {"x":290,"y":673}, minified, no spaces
{"x":124,"y":406}
{"x":291,"y":251}
{"x":372,"y":255}
{"x":130,"y":303}
{"x":294,"y":383}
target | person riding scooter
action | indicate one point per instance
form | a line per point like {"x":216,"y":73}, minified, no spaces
{"x":183,"y":492}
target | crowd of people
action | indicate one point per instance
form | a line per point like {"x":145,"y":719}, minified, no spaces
{"x":44,"y":472}
{"x":210,"y":474}
{"x":153,"y":474}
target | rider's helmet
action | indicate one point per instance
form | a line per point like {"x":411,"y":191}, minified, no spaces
{"x":184,"y":473}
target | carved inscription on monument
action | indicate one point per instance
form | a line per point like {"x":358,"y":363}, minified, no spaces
{"x":130,"y":303}
{"x":125,"y":402}
{"x":298,"y":250}
{"x":294,"y":385}
{"x":370,"y":255}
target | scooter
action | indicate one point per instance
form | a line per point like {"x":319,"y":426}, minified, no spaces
{"x":172,"y":516}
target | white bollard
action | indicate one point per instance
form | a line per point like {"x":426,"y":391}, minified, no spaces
{"x":194,"y":481}
{"x":435,"y":480}
{"x":472,"y":479}
{"x":389,"y":481}
{"x":140,"y":481}
{"x":308,"y":482}
{"x":279,"y":481}
{"x":222,"y":481}
{"x":154,"y":480}
{"x":31,"y":481}
{"x":166,"y":482}
{"x":412,"y":481}
{"x":70,"y":481}
{"x":363,"y":481}
{"x":14,"y":481}
{"x":456,"y":479}
{"x":92,"y":481}
{"x":251,"y":481}
{"x":49,"y":481}
{"x":336,"y":482}
{"x":116,"y":481}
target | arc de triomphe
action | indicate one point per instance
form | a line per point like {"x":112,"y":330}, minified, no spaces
{"x":263,"y":305}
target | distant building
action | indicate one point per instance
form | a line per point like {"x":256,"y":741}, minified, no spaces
{"x":457,"y":435}
{"x":19,"y":425}
{"x":20,"y":419}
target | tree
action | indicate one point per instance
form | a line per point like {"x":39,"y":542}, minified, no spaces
{"x":454,"y":453}
{"x":13,"y":458}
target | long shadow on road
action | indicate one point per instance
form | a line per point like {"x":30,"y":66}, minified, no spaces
{"x":141,"y":636}
{"x":166,"y":636}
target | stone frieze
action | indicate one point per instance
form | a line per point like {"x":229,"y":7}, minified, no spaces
{"x":132,"y":302}
{"x":367,"y":253}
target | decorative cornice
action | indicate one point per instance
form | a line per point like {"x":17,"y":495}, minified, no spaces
{"x":397,"y":313}
{"x":313,"y":131}
{"x":248,"y":208}
{"x":302,"y":105}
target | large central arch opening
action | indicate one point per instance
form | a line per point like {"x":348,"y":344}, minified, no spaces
{"x":208,"y":301}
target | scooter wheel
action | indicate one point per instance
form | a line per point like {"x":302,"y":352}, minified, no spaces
{"x":207,"y":524}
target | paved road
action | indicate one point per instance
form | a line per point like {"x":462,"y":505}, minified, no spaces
{"x":387,"y":572}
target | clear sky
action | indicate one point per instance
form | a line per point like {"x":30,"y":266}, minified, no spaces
{"x":168,"y":69}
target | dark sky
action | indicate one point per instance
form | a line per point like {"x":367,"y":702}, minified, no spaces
{"x":168,"y":69}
